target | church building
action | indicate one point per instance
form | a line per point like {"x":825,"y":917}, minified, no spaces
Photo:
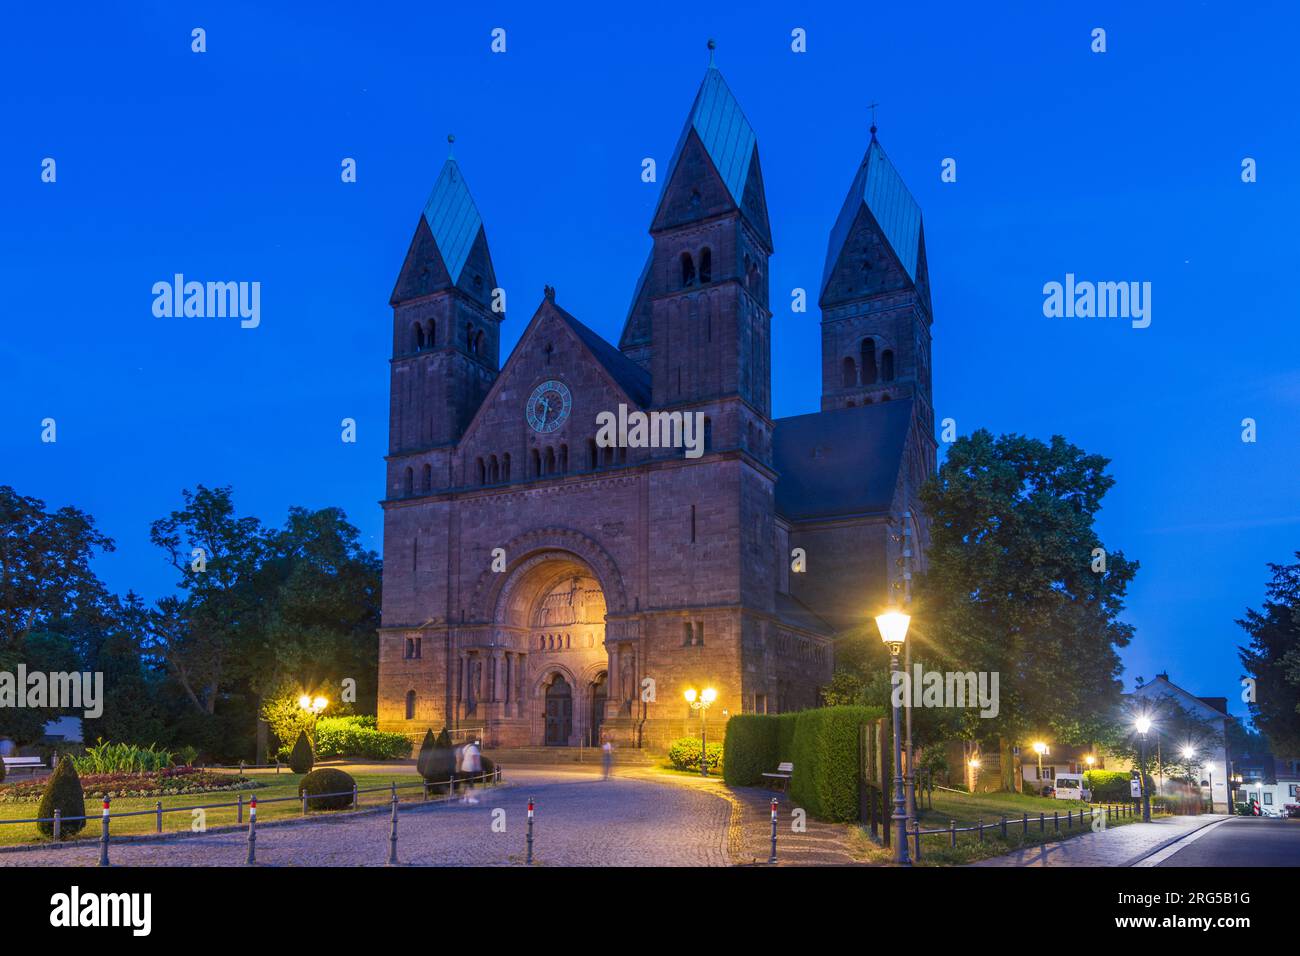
{"x":540,"y":588}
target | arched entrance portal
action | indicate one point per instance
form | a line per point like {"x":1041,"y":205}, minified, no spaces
{"x":553,"y":610}
{"x":559,"y":712}
{"x":599,"y":694}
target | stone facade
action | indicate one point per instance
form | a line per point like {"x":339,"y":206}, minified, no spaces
{"x":541,"y":589}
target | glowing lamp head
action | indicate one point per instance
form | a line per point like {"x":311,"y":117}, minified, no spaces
{"x":1143,"y":724}
{"x":1090,"y":760}
{"x":709,"y":695}
{"x":893,"y":627}
{"x":1040,"y":748}
{"x":1188,"y":753}
{"x":304,"y":702}
{"x":320,"y":703}
{"x":690,"y":695}
{"x":974,"y":763}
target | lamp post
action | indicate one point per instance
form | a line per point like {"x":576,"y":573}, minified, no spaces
{"x":1143,"y":724}
{"x":701,"y":702}
{"x":1040,"y":748}
{"x":893,"y":631}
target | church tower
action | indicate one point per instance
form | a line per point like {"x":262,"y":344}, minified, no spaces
{"x":446,"y":334}
{"x":700,"y":319}
{"x":875,"y":296}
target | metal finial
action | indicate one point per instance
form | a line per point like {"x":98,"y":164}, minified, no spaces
{"x":451,"y":139}
{"x":712,"y":46}
{"x":873,"y":118}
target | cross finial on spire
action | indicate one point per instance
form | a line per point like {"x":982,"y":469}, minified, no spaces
{"x":873,"y":118}
{"x":451,"y":138}
{"x":712,"y":46}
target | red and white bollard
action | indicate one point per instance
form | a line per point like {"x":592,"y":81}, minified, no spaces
{"x":252,"y":831}
{"x":530,"y":832}
{"x":103,"y":836}
{"x":772,"y":858}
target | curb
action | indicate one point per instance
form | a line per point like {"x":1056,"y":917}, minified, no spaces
{"x":1218,"y":818}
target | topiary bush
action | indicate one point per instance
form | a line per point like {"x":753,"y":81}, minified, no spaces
{"x":327,"y":780}
{"x":684,"y":752}
{"x":63,"y":793}
{"x":825,"y":756}
{"x":301,"y":758}
{"x":437,"y":761}
{"x":750,"y":748}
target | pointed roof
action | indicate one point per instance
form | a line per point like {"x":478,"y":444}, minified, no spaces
{"x":453,"y":218}
{"x":632,"y":378}
{"x":720,"y":124}
{"x":878,"y":186}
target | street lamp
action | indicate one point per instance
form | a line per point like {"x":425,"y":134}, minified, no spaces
{"x":893,"y":631}
{"x":1040,"y":748}
{"x":1143,"y":724}
{"x":974,"y":763}
{"x":313,"y":706}
{"x":701,"y":702}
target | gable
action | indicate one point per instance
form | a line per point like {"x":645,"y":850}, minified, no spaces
{"x":694,"y":190}
{"x":423,"y":271}
{"x":865,"y":266}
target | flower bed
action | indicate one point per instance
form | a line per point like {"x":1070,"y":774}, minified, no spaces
{"x":159,"y":783}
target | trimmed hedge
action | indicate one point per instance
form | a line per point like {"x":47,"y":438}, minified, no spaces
{"x":1112,"y":786}
{"x":825,"y":755}
{"x":356,"y":736}
{"x":328,"y":780}
{"x":63,"y":793}
{"x":821,"y":743}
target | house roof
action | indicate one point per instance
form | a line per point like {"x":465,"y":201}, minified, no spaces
{"x":878,"y":186}
{"x":842,"y":461}
{"x":453,"y":218}
{"x":1217,"y":704}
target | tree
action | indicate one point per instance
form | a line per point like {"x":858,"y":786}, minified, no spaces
{"x":1272,"y":659}
{"x":1011,"y":588}
{"x":301,"y":758}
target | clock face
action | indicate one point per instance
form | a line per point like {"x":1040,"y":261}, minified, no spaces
{"x":548,"y":407}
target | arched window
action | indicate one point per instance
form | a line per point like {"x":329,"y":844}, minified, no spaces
{"x":849,"y":372}
{"x":410,"y":705}
{"x":408,"y":482}
{"x":593,"y":454}
{"x":564,"y":459}
{"x":419,"y":337}
{"x":541,"y":642}
{"x":688,"y":269}
{"x":479,"y":342}
{"x":537,"y":463}
{"x":550,"y":461}
{"x":433,"y":333}
{"x":505,"y":467}
{"x":426,"y":479}
{"x":887,"y":365}
{"x":494,"y":470}
{"x":868,"y":361}
{"x":482,"y":472}
{"x":706,"y":265}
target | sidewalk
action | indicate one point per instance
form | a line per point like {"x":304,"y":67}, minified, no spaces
{"x":1118,"y":846}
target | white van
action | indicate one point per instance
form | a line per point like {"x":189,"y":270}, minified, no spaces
{"x":1068,"y":787}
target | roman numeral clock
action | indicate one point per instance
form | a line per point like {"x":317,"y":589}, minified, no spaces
{"x":549,"y":406}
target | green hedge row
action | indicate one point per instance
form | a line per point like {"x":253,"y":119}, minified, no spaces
{"x":823,"y":745}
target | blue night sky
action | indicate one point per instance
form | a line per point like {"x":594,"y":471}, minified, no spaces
{"x":225,"y":166}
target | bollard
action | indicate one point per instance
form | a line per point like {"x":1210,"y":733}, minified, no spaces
{"x":952,"y":832}
{"x":239,"y":812}
{"x":252,"y":831}
{"x":1069,"y":819}
{"x":772,"y":857}
{"x":103,"y":836}
{"x":392,"y":832}
{"x":158,"y":809}
{"x":58,"y":822}
{"x":1042,"y":824}
{"x":916,"y":833}
{"x":981,"y":829}
{"x":277,"y":766}
{"x":529,"y":861}
{"x":1004,"y":826}
{"x":1024,"y":824}
{"x":304,"y":801}
{"x":354,"y":796}
{"x":241,"y":768}
{"x":1056,"y":821}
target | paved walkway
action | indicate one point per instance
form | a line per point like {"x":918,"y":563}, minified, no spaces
{"x":580,"y":821}
{"x":1118,"y":846}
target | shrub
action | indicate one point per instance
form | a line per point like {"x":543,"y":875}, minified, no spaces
{"x":1112,"y":786}
{"x":186,"y":756}
{"x":684,"y":752}
{"x":301,"y":758}
{"x":437,"y":761}
{"x":62,"y":793}
{"x":785,"y":724}
{"x":327,"y":780}
{"x":356,"y":736}
{"x":106,"y":757}
{"x":825,"y":756}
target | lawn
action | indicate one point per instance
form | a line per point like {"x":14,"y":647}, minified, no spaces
{"x":969,"y":809}
{"x":284,"y":784}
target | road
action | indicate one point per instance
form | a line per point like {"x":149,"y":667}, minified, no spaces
{"x":1241,"y":841}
